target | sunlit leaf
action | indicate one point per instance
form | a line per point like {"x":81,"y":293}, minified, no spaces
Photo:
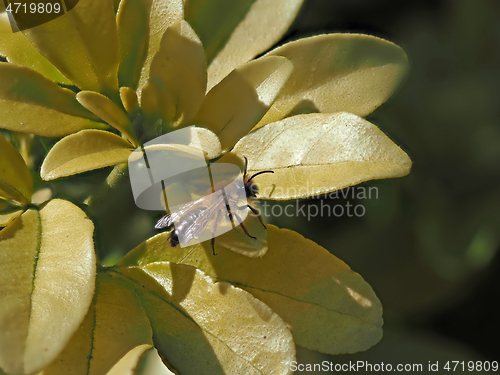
{"x":179,"y":74}
{"x":318,"y":153}
{"x":129,"y":99}
{"x":133,"y":32}
{"x":15,"y":178}
{"x":233,"y":107}
{"x":107,"y":110}
{"x":17,"y":49}
{"x":203,"y":327}
{"x":338,"y":72}
{"x":47,"y":277}
{"x":329,"y":307}
{"x":21,"y":84}
{"x":163,"y":14}
{"x":234,"y":32}
{"x":82,"y":44}
{"x":131,"y":363}
{"x":85,"y":151}
{"x":26,"y":118}
{"x":142,"y":360}
{"x":31,"y":103}
{"x":114,"y":325}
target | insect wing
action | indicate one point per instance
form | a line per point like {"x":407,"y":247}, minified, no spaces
{"x":179,"y":212}
{"x":207,"y":219}
{"x":164,"y":222}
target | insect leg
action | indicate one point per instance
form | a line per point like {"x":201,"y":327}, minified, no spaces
{"x":242,"y":226}
{"x":212,"y":240}
{"x":259,"y":216}
{"x":256,"y":212}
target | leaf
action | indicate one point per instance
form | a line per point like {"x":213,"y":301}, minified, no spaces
{"x":319,"y":153}
{"x":239,"y":242}
{"x":31,"y":103}
{"x":84,"y":151}
{"x":82,"y":44}
{"x":197,"y":141}
{"x":15,"y":178}
{"x":329,"y":307}
{"x":233,"y":107}
{"x":47,"y":277}
{"x":129,"y":99}
{"x":338,"y":72}
{"x":6,"y":219}
{"x":141,"y":361}
{"x":17,"y":49}
{"x":203,"y":327}
{"x":114,"y":325}
{"x":20,"y":84}
{"x":8,"y":212}
{"x":133,"y":32}
{"x":132,"y":362}
{"x":107,"y":110}
{"x":179,"y":74}
{"x":234,"y":32}
{"x":26,"y":118}
{"x":163,"y":14}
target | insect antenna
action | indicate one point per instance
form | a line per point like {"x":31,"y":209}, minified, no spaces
{"x":246,"y":166}
{"x":258,"y":173}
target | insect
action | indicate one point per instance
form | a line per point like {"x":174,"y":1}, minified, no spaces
{"x":193,"y":218}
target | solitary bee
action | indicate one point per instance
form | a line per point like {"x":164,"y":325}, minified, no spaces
{"x":193,"y":218}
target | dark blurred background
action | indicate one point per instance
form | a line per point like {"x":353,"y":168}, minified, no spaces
{"x":429,"y":244}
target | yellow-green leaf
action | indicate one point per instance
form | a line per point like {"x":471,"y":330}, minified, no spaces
{"x":6,"y":219}
{"x":179,"y":73}
{"x":85,"y":151}
{"x":82,"y":44}
{"x":163,"y":14}
{"x":47,"y":277}
{"x":200,"y":138}
{"x":15,"y":178}
{"x":17,"y":49}
{"x":132,"y":362}
{"x":329,"y":307}
{"x":31,"y":103}
{"x":129,"y":99}
{"x":338,"y":72}
{"x":114,"y":325}
{"x":23,"y":85}
{"x":319,"y":153}
{"x":27,"y":118}
{"x":107,"y":110}
{"x":8,"y":212}
{"x":203,"y":327}
{"x":233,"y":107}
{"x":133,"y":32}
{"x":234,"y":32}
{"x":142,"y":360}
